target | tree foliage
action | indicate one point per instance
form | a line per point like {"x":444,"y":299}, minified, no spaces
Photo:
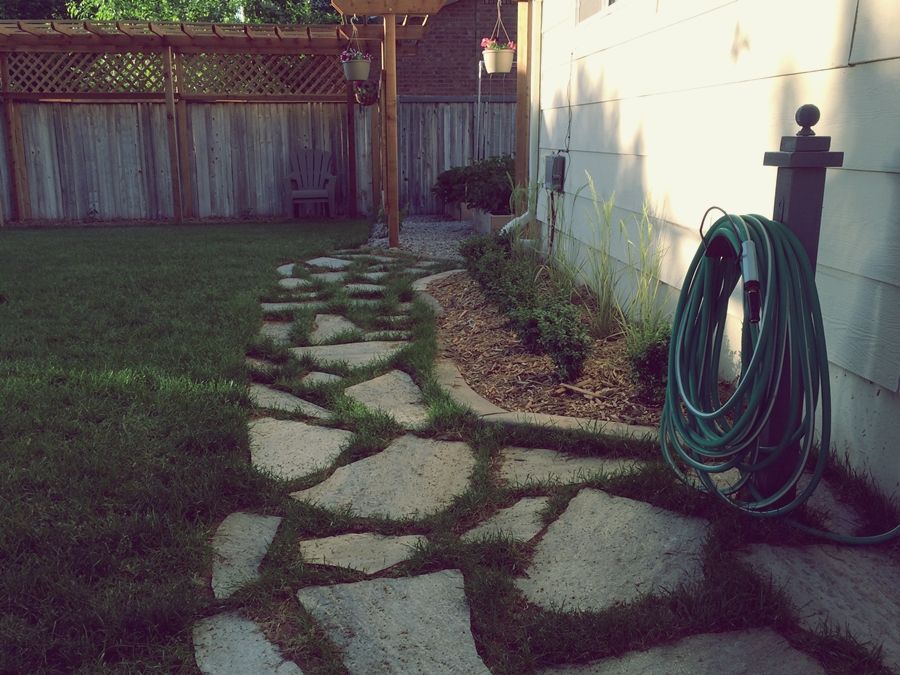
{"x":33,"y":9}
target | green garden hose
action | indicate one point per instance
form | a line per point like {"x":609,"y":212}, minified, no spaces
{"x":782,"y":337}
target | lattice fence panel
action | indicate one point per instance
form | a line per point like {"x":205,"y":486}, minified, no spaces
{"x":261,"y":74}
{"x":84,"y":72}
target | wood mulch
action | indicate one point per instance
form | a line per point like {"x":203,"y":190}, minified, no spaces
{"x":477,"y":336}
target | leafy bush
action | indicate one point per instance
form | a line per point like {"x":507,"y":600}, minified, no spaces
{"x":489,"y":184}
{"x":485,"y":184}
{"x":450,"y":186}
{"x":547,"y":322}
{"x":648,"y":353}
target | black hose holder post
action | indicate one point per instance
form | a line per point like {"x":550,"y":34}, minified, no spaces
{"x":799,"y":194}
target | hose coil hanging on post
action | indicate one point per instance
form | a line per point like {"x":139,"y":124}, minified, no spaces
{"x":782,"y":336}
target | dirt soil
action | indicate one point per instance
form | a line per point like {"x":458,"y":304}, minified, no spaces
{"x":477,"y":336}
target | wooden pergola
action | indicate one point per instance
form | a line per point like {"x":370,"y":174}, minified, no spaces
{"x":390,"y":10}
{"x":174,"y":64}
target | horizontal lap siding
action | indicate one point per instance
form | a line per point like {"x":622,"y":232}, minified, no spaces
{"x":674,"y":102}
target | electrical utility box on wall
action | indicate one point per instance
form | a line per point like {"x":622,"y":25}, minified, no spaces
{"x":554,"y":172}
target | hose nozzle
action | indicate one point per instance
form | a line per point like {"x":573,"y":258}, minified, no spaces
{"x":750,"y":273}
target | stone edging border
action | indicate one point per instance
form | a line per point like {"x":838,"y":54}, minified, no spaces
{"x":451,"y":380}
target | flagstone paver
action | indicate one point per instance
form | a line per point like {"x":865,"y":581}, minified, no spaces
{"x":290,"y":306}
{"x":605,"y":550}
{"x":316,"y":377}
{"x":388,"y":335}
{"x":520,"y":466}
{"x":393,"y":393}
{"x":370,"y":256}
{"x":838,"y":516}
{"x":412,"y":477}
{"x":327,"y":326}
{"x":259,"y":365}
{"x":364,"y":302}
{"x":277,"y":331}
{"x":229,"y":644}
{"x":363,"y":289}
{"x":520,"y":522}
{"x":291,"y":283}
{"x":365,"y":552}
{"x":750,"y":651}
{"x":354,"y":354}
{"x":374,"y":276}
{"x":266,"y":397}
{"x":410,"y":625}
{"x":285,"y":270}
{"x":329,"y":263}
{"x":240,"y":543}
{"x":330,"y":277}
{"x":853,"y":588}
{"x":290,"y":450}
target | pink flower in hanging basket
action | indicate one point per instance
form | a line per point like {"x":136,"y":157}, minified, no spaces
{"x":353,"y":54}
{"x":494,"y":43}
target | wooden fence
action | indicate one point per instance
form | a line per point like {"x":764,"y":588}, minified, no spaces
{"x":110,"y":161}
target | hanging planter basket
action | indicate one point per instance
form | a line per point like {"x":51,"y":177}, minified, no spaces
{"x":357,"y":69}
{"x":355,"y":61}
{"x":498,"y":50}
{"x":498,"y":60}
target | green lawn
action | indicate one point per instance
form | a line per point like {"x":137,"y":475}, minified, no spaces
{"x":123,"y":430}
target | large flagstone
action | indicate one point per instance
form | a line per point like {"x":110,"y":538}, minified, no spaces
{"x":329,"y":263}
{"x":290,"y":450}
{"x":393,"y":393}
{"x":363,"y":289}
{"x":229,"y":644}
{"x":412,"y":477}
{"x":329,"y":277}
{"x":274,"y":399}
{"x":748,"y":651}
{"x":277,"y":331}
{"x":291,"y":283}
{"x":290,"y":306}
{"x":240,"y":543}
{"x":521,"y":466}
{"x":354,"y":354}
{"x":327,"y":326}
{"x":520,"y":522}
{"x":285,"y":270}
{"x":390,"y":626}
{"x":366,"y":552}
{"x":604,"y":551}
{"x":856,"y":589}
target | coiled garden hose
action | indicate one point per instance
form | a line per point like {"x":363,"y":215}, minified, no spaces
{"x":782,"y":337}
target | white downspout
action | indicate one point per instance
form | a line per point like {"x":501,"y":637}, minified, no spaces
{"x":534,"y":127}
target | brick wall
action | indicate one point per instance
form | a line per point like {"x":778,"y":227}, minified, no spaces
{"x":445,"y":62}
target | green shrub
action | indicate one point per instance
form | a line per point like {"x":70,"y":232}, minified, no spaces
{"x":648,"y":353}
{"x":450,"y":186}
{"x":546,"y":321}
{"x":489,"y":184}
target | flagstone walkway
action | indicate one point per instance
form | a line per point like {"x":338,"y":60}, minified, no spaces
{"x":599,"y":551}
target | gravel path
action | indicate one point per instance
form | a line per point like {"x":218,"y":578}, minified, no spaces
{"x":427,"y":236}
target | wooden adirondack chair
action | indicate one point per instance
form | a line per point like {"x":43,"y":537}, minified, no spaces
{"x":311,"y":180}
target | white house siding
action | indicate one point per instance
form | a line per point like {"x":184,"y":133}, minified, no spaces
{"x":674,"y":102}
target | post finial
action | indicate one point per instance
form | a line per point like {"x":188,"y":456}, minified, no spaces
{"x":807,"y":115}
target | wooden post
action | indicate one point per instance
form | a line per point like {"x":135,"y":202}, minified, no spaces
{"x":523,"y":93}
{"x":351,"y":151}
{"x":377,"y":144}
{"x":172,"y":133}
{"x":799,"y":194}
{"x":15,"y":147}
{"x":184,"y":144}
{"x":392,"y":177}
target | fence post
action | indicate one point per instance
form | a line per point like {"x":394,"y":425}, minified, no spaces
{"x":172,"y":134}
{"x":15,"y":147}
{"x":799,"y":194}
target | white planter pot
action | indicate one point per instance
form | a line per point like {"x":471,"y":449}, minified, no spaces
{"x":498,"y":60}
{"x":356,"y":70}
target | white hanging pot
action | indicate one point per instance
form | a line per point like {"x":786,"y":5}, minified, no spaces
{"x":358,"y":69}
{"x":498,"y":60}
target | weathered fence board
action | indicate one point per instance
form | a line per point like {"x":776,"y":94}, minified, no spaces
{"x":109,"y":161}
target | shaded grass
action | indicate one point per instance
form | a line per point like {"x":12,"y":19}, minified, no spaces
{"x":124,"y":432}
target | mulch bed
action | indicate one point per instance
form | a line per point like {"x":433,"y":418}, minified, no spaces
{"x":477,"y":336}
